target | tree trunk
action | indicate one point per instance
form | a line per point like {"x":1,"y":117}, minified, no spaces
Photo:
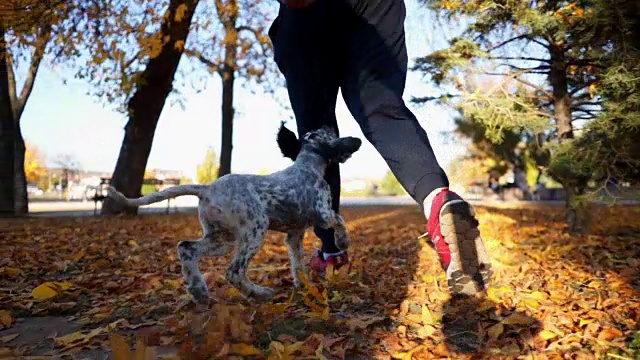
{"x":18,"y":102}
{"x":578,"y":214}
{"x":561,"y":95}
{"x":228,"y":78}
{"x":7,"y":136}
{"x":22,"y":199}
{"x":146,"y":104}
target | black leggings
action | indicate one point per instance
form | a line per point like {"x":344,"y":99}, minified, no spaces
{"x":357,"y":46}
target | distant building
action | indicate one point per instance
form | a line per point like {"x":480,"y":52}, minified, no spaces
{"x":356,"y":184}
{"x":163,"y":174}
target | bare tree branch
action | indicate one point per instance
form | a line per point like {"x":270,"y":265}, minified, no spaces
{"x":584,"y":62}
{"x":213,"y":66}
{"x":256,"y":35}
{"x":425,"y":99}
{"x":507,"y":42}
{"x":535,"y":70}
{"x":524,"y":58}
{"x":588,"y":103}
{"x":43,"y":37}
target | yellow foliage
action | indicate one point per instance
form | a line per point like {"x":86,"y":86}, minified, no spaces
{"x":49,"y":290}
{"x":34,"y":166}
{"x":593,"y":88}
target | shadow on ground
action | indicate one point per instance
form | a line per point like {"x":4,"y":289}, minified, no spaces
{"x":394,"y":302}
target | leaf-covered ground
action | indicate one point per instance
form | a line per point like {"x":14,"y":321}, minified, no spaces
{"x":85,"y":287}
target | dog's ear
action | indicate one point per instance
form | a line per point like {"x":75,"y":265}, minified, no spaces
{"x":288,"y":142}
{"x":342,"y":149}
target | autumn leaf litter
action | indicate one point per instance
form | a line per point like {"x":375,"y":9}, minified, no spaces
{"x":118,"y":280}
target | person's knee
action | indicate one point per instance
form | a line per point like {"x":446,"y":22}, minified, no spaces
{"x":377,"y":114}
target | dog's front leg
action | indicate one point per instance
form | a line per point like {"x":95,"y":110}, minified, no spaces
{"x":296,"y":253}
{"x":329,"y":219}
{"x":340,"y":232}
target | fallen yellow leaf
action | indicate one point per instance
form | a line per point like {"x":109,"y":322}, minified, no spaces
{"x":80,"y":338}
{"x":584,"y":322}
{"x":311,"y":289}
{"x":547,"y":334}
{"x":409,"y":354}
{"x":276,"y":351}
{"x":427,"y":318}
{"x":495,"y":294}
{"x":426,"y":331}
{"x":538,"y":295}
{"x":5,"y":318}
{"x":12,"y":271}
{"x":416,"y":318}
{"x":244,"y":350}
{"x":292,"y":348}
{"x":49,"y":290}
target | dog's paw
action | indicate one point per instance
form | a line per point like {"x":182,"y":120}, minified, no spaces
{"x":342,"y":241}
{"x":199,"y":292}
{"x":263,"y":293}
{"x":200,"y":296}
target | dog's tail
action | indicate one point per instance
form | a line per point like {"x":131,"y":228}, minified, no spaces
{"x":165,"y":194}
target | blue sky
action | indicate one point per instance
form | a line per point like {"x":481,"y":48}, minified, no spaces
{"x":60,"y":118}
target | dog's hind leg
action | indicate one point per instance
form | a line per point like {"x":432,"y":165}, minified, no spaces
{"x":249,"y":241}
{"x":296,"y":253}
{"x":212,"y":244}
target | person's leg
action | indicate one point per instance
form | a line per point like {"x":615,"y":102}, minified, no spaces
{"x":308,"y":53}
{"x":373,"y":87}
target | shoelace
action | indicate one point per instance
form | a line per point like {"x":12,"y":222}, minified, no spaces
{"x":423,"y":235}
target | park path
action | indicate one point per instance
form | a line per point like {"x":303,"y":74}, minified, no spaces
{"x":188,"y":204}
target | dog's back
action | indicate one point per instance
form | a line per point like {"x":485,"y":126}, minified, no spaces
{"x":287,"y":197}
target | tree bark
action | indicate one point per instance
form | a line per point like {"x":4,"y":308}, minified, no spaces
{"x":20,"y":184}
{"x":577,"y":214}
{"x":18,"y":103}
{"x":561,"y":95}
{"x":146,"y":104}
{"x":7,"y":135}
{"x":226,"y":148}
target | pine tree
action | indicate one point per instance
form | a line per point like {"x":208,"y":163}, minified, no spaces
{"x":549,"y":61}
{"x":609,"y":151}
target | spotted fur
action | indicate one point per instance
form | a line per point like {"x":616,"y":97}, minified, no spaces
{"x":238,"y":209}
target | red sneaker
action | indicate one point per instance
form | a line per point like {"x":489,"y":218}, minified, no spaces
{"x":319,"y":264}
{"x":454,"y":232}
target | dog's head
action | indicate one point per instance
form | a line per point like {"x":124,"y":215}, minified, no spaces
{"x":322,"y":141}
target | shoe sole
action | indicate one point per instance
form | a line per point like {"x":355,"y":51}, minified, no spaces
{"x":469,"y":271}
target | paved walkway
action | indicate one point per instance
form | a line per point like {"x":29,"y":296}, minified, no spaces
{"x":189,"y":204}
